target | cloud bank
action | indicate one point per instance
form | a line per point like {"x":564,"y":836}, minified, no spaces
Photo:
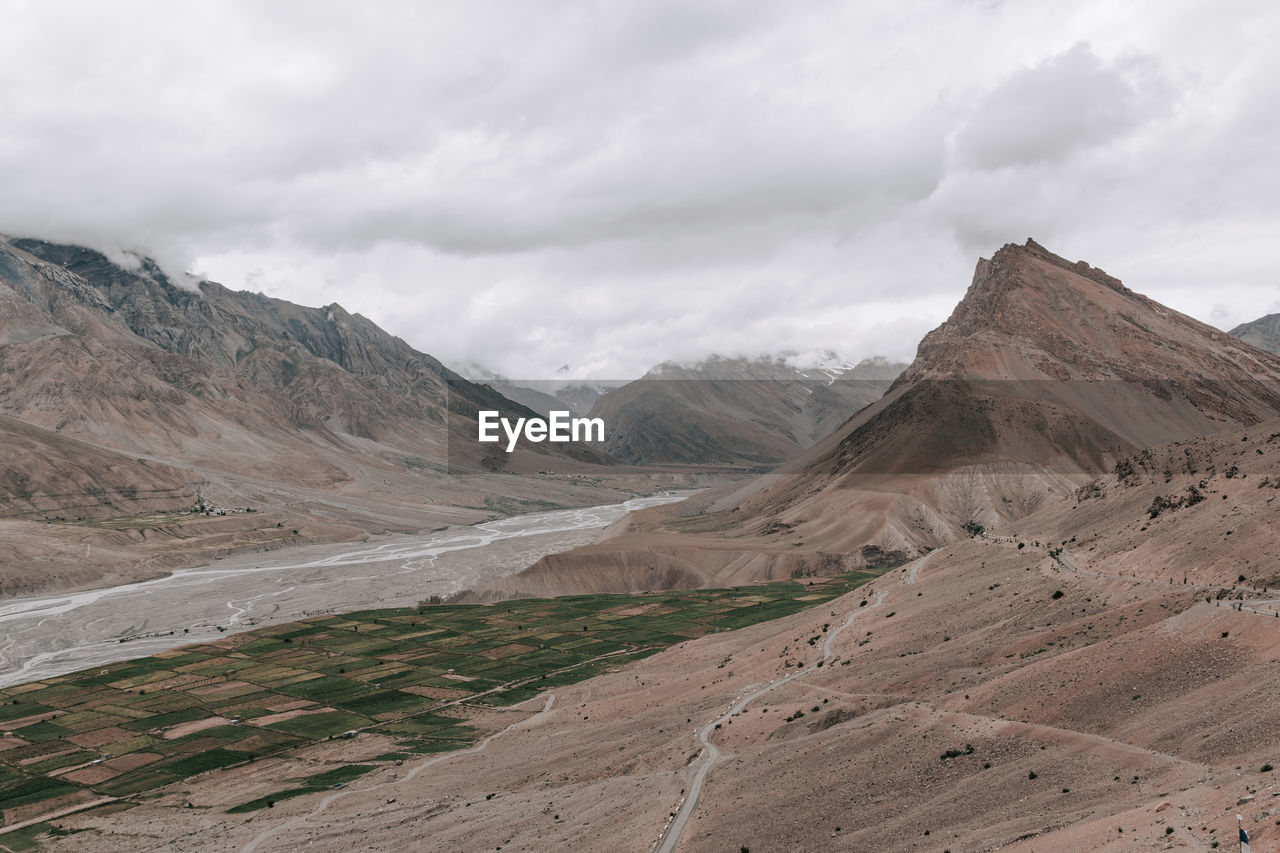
{"x":613,"y":185}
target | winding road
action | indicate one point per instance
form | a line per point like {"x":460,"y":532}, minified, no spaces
{"x":711,"y":753}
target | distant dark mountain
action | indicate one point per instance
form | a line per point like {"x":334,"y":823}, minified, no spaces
{"x":733,"y":411}
{"x":1263,"y":333}
{"x":544,"y":395}
{"x":581,"y":396}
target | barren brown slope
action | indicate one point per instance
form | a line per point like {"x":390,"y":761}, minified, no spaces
{"x":1046,"y":371}
{"x":967,"y":706}
{"x":45,"y":472}
{"x":127,"y":384}
{"x":1045,"y":375}
{"x":268,"y":367}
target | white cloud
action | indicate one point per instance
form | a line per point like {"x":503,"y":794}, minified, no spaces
{"x":1069,"y":103}
{"x":613,"y":185}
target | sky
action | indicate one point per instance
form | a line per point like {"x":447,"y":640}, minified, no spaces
{"x":608,"y":185}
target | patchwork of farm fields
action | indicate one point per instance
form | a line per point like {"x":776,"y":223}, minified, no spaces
{"x":110,"y":734}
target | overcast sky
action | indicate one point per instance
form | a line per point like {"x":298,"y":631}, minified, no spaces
{"x":612,"y":184}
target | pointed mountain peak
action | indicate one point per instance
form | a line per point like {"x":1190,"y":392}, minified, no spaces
{"x":1031,"y":314}
{"x":1032,"y":265}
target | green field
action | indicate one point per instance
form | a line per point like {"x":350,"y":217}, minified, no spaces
{"x":411,"y":674}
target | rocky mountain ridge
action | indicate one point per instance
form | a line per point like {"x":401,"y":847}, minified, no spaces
{"x":124,"y":394}
{"x":1047,"y":374}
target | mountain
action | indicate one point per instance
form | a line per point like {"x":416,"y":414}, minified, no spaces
{"x":124,"y":392}
{"x":1047,"y":371}
{"x":1047,"y":374}
{"x":735,"y":411}
{"x":580,"y":396}
{"x":1263,"y":333}
{"x":1095,"y":678}
{"x":1097,"y":669}
{"x":544,"y":395}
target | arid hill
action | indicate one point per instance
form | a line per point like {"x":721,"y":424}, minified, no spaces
{"x":1099,"y":675}
{"x":1263,"y":333}
{"x":1046,"y":374}
{"x":1094,"y":670}
{"x":123,"y":393}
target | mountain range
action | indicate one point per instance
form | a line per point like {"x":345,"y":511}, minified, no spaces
{"x":1046,"y":374}
{"x":545,"y":395}
{"x":750,"y":413}
{"x":1070,"y":497}
{"x":123,"y":392}
{"x":753,"y":413}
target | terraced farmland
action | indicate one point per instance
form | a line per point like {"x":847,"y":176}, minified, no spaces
{"x":409,"y":674}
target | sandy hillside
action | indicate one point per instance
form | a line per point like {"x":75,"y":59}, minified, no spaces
{"x":965,"y":706}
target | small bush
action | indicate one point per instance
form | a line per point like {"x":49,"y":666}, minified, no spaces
{"x":1058,"y":594}
{"x":956,"y":753}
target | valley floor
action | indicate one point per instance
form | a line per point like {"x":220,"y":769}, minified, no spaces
{"x":1098,"y":676}
{"x":965,"y":707}
{"x":62,"y":632}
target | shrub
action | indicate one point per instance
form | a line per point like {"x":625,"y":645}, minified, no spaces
{"x":956,"y":753}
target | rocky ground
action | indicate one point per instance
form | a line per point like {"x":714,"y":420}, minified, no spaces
{"x":989,"y":697}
